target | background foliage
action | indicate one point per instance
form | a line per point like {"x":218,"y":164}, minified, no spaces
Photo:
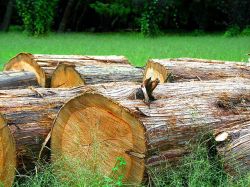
{"x":148,"y":16}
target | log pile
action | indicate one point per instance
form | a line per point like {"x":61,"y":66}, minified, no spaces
{"x":148,"y":123}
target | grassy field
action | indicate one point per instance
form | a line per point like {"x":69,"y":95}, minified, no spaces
{"x":133,"y":45}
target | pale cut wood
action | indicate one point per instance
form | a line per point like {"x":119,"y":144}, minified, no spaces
{"x":44,"y":65}
{"x":66,"y":76}
{"x":14,"y":80}
{"x":7,"y":154}
{"x":188,"y":69}
{"x":29,"y":113}
{"x":181,"y":113}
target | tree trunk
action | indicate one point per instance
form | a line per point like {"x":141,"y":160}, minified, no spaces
{"x":187,"y":69}
{"x":44,"y":65}
{"x":7,"y":16}
{"x":14,"y":80}
{"x":66,"y":16}
{"x":99,"y":127}
{"x":66,"y":76}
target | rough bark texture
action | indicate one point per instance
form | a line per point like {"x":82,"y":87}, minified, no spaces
{"x":188,"y":69}
{"x":14,"y":80}
{"x":29,"y":113}
{"x":181,"y":113}
{"x":44,"y":65}
{"x":97,"y":73}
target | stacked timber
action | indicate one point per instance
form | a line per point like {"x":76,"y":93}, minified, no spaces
{"x":122,"y":119}
{"x":188,"y":69}
{"x":43,"y":66}
{"x":119,"y":121}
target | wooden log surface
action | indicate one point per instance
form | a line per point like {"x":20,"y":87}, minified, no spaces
{"x":7,"y":154}
{"x":14,"y":80}
{"x":69,"y":76}
{"x":188,"y":69}
{"x":44,"y":65}
{"x":151,"y":134}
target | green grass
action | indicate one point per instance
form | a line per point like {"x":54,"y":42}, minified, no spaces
{"x":133,"y":45}
{"x":199,"y":169}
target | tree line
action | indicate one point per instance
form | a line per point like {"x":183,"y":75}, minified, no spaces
{"x":147,"y":16}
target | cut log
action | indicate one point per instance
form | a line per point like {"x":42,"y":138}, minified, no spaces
{"x":14,"y":80}
{"x":99,"y":127}
{"x":188,"y":69}
{"x":234,"y":149}
{"x":66,"y":76}
{"x":29,"y":113}
{"x":7,"y":154}
{"x":44,"y":65}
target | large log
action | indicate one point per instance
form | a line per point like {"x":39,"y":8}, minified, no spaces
{"x":187,"y":69}
{"x":44,"y":65}
{"x":66,"y":76}
{"x":99,"y":127}
{"x":14,"y":80}
{"x":29,"y":113}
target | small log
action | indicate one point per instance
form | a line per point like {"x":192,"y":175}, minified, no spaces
{"x":188,"y":69}
{"x":44,"y":65}
{"x":7,"y":154}
{"x":66,"y":76}
{"x":116,"y":122}
{"x":29,"y":113}
{"x":233,"y":147}
{"x":14,"y":80}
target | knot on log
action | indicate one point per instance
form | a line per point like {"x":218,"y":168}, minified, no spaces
{"x":145,"y":92}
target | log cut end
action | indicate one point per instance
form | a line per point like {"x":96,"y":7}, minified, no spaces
{"x":26,"y":62}
{"x":235,"y":149}
{"x":7,"y":155}
{"x":96,"y":131}
{"x":66,"y":76}
{"x":156,"y":70}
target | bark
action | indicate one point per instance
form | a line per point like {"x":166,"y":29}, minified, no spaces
{"x":44,"y":65}
{"x":67,"y":76}
{"x":187,"y":69}
{"x":14,"y":80}
{"x":151,"y":134}
{"x":7,"y":16}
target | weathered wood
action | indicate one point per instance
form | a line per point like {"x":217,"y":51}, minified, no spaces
{"x":14,"y":80}
{"x":44,"y":65}
{"x":181,"y":113}
{"x":234,"y":149}
{"x":29,"y":113}
{"x":66,"y":76}
{"x":7,"y":154}
{"x":188,"y":69}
